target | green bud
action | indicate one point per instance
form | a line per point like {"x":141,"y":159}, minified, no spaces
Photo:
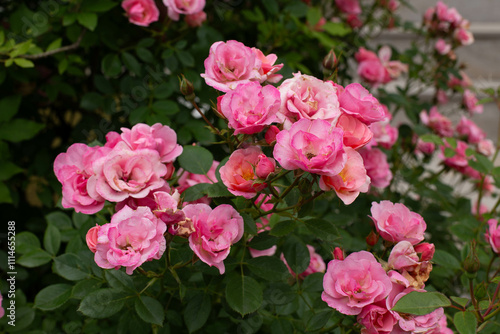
{"x":330,"y":61}
{"x":471,"y":263}
{"x":187,"y":88}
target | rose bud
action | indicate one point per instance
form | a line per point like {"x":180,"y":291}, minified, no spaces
{"x":91,"y":238}
{"x":265,"y":166}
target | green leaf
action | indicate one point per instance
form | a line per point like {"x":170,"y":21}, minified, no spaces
{"x":268,"y":267}
{"x":62,"y":66}
{"x":243,"y":294}
{"x":98,"y":6}
{"x":481,"y":164}
{"x":263,"y":241}
{"x":186,"y":58}
{"x":465,"y":322}
{"x":195,"y":192}
{"x":283,"y":228}
{"x":196,"y":159}
{"x":323,"y":229}
{"x":250,"y":226}
{"x":313,"y":282}
{"x":460,"y":301}
{"x":118,"y":280}
{"x":19,"y":129}
{"x":432,"y":138}
{"x":111,"y":65}
{"x":5,"y":196}
{"x":26,"y":242}
{"x":52,"y":239}
{"x":91,"y":101}
{"x":56,"y":44}
{"x":84,"y":287}
{"x":102,"y":303}
{"x":313,"y":16}
{"x":34,"y":258}
{"x":445,"y":259}
{"x":8,"y":169}
{"x":166,"y":107}
{"x":296,"y":254}
{"x":318,"y":320}
{"x":70,"y":267}
{"x":131,"y":63}
{"x":150,"y":310}
{"x":271,"y":6}
{"x":53,"y":296}
{"x":336,"y":28}
{"x":60,"y":220}
{"x":218,"y":190}
{"x":9,"y":106}
{"x":145,"y":55}
{"x":197,"y":311}
{"x":88,"y":20}
{"x":421,"y":303}
{"x":281,"y":326}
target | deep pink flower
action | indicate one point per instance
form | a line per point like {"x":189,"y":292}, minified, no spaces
{"x":238,"y":174}
{"x":73,"y":169}
{"x":271,"y":133}
{"x":493,"y":235}
{"x":91,"y":238}
{"x":215,"y":231}
{"x":313,"y":146}
{"x":249,"y":108}
{"x":350,"y":181}
{"x":468,"y":128}
{"x":230,"y":64}
{"x":437,"y":122}
{"x":157,"y":137}
{"x":141,"y":12}
{"x":196,"y":19}
{"x":373,"y":72}
{"x":357,"y":281}
{"x":356,"y":133}
{"x":349,"y":6}
{"x":460,"y":161}
{"x":470,"y":102}
{"x":148,"y":201}
{"x":364,"y":55}
{"x":426,"y":251}
{"x":426,"y":148}
{"x":395,"y":222}
{"x":130,"y":239}
{"x":358,"y":102}
{"x":304,"y":96}
{"x":186,"y":7}
{"x":377,"y":167}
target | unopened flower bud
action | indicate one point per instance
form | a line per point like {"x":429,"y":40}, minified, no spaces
{"x":91,"y":238}
{"x":271,"y":133}
{"x":330,"y":61}
{"x":471,"y":262}
{"x":372,"y":239}
{"x":265,"y":166}
{"x":338,"y":254}
{"x":187,"y":88}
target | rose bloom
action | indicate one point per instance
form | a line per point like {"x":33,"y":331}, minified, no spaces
{"x":376,"y":319}
{"x":493,"y":235}
{"x":465,"y":82}
{"x":348,"y":6}
{"x":73,"y":169}
{"x":356,"y":101}
{"x":373,"y":72}
{"x":215,"y":231}
{"x":437,"y":122}
{"x":463,"y":36}
{"x":124,"y":173}
{"x":459,"y":161}
{"x":312,"y":146}
{"x":357,"y":281}
{"x":304,"y":96}
{"x":188,"y":179}
{"x":426,"y":251}
{"x":350,"y":181}
{"x":426,"y":148}
{"x":238,"y":173}
{"x":377,"y":167}
{"x":268,"y":70}
{"x":486,"y":147}
{"x":196,"y":19}
{"x":91,"y":238}
{"x":393,"y":67}
{"x":384,"y":134}
{"x":186,"y":7}
{"x":470,"y":103}
{"x":316,"y":264}
{"x":148,"y":201}
{"x":130,"y":239}
{"x":356,"y":133}
{"x":468,"y":128}
{"x":395,"y":222}
{"x":156,"y":137}
{"x":249,"y":108}
{"x":2,"y":311}
{"x":230,"y":64}
{"x":141,"y":12}
{"x":442,"y":47}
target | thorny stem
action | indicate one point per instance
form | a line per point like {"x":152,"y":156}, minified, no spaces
{"x":474,"y":301}
{"x":497,"y":290}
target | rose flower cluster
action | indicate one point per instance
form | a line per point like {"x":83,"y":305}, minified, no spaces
{"x":145,"y":12}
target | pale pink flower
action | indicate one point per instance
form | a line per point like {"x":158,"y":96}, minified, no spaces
{"x":349,"y":6}
{"x":249,"y":108}
{"x":196,"y":19}
{"x":316,"y":264}
{"x":403,"y":257}
{"x":441,"y":96}
{"x":130,"y":239}
{"x":441,"y":328}
{"x":470,"y":103}
{"x":91,"y":238}
{"x":312,"y":146}
{"x":357,"y":281}
{"x":141,"y":12}
{"x":306,"y":97}
{"x":124,"y":173}
{"x":395,"y":222}
{"x":436,"y":121}
{"x":486,"y":147}
{"x":384,"y":134}
{"x":186,"y":7}
{"x":469,"y":129}
{"x":377,"y":167}
{"x":393,"y":67}
{"x":238,"y":174}
{"x":265,"y":252}
{"x":465,"y":82}
{"x":356,"y":133}
{"x":492,"y":235}
{"x":350,"y":181}
{"x":268,"y":70}
{"x":156,"y":137}
{"x":442,"y":47}
{"x":112,"y":138}
{"x":215,"y":231}
{"x":73,"y":169}
{"x":463,"y":36}
{"x":167,"y":209}
{"x":376,"y":319}
{"x":358,"y":102}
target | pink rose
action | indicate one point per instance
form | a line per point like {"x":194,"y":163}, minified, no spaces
{"x":354,"y":21}
{"x":304,"y":96}
{"x":130,"y":239}
{"x":460,"y":161}
{"x":468,"y":128}
{"x":215,"y":231}
{"x":196,"y":19}
{"x":186,"y":7}
{"x":358,"y":102}
{"x":316,"y":264}
{"x":442,"y":47}
{"x":373,"y":72}
{"x":73,"y":169}
{"x":265,"y":166}
{"x":426,"y":148}
{"x":437,"y":122}
{"x":268,"y":69}
{"x":376,"y":319}
{"x":91,"y":238}
{"x":148,"y":201}
{"x":357,"y":281}
{"x":238,"y":173}
{"x":364,"y":55}
{"x":271,"y":133}
{"x":313,"y":146}
{"x":249,"y":108}
{"x":465,"y":82}
{"x":356,"y":133}
{"x":348,"y":6}
{"x":493,"y":235}
{"x":124,"y":173}
{"x":230,"y":64}
{"x":157,"y":137}
{"x":351,"y":180}
{"x":384,"y":134}
{"x":426,"y":251}
{"x":486,"y":147}
{"x":463,"y":36}
{"x":167,"y":209}
{"x":395,"y":222}
{"x":2,"y":311}
{"x":441,"y":328}
{"x":470,"y":102}
{"x":403,"y":257}
{"x":141,"y":12}
{"x":393,"y":67}
{"x":441,"y":96}
{"x":377,"y":167}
